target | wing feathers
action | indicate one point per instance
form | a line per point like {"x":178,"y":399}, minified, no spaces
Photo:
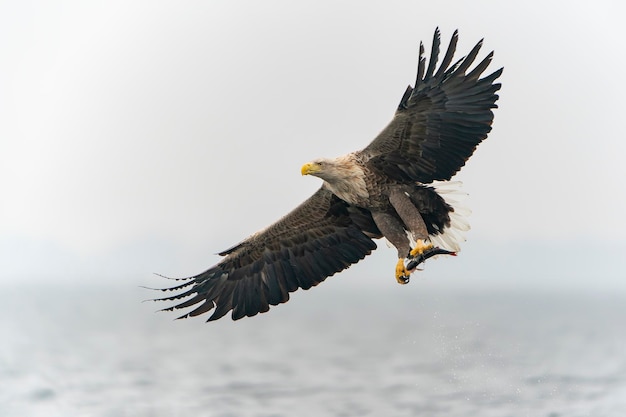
{"x":204,"y":307}
{"x":314,"y":241}
{"x":405,"y":98}
{"x":469,"y":59}
{"x":420,"y":66}
{"x":448,"y":57}
{"x":438,"y":126}
{"x":480,"y":68}
{"x":434,"y":54}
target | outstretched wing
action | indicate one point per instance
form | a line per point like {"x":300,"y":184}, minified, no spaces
{"x":322,"y":236}
{"x":440,"y":121}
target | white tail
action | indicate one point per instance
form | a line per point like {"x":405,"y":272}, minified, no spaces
{"x":453,"y":235}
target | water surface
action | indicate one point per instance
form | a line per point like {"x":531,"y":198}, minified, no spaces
{"x":82,"y":351}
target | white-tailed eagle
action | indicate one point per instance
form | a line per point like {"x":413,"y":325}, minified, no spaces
{"x":389,"y":189}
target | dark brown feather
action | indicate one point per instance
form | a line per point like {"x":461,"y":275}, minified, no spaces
{"x":440,"y":122}
{"x":321,"y":237}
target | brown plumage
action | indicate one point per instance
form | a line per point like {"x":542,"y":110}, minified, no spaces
{"x":387,"y":189}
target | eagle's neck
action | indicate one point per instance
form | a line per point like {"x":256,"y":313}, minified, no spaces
{"x":345,"y":178}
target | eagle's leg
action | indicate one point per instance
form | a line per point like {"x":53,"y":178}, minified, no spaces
{"x":412,"y":218}
{"x":393,"y":230}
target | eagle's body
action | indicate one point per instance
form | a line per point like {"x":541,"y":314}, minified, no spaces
{"x":392,"y":188}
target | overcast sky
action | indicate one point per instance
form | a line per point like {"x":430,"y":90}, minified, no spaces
{"x":147,"y":136}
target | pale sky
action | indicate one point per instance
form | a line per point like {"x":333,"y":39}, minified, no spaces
{"x":140,"y":137}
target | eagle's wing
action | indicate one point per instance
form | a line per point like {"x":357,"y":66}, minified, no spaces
{"x":440,"y":121}
{"x":322,"y":236}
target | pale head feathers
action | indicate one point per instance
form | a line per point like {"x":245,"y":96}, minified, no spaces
{"x":343,"y":176}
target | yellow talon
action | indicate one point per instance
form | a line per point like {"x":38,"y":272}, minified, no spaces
{"x":402,"y":274}
{"x":420,"y":248}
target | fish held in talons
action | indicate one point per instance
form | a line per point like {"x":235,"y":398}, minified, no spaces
{"x":405,"y":267}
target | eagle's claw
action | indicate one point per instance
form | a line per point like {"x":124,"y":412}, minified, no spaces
{"x":404,"y":267}
{"x":420,"y":248}
{"x":402,"y":273}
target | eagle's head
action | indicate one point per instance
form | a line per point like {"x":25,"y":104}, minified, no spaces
{"x":343,"y":176}
{"x":330,"y":170}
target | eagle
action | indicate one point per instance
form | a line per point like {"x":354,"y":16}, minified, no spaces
{"x":397,"y":187}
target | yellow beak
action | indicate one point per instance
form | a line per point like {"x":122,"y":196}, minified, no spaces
{"x":309,"y":168}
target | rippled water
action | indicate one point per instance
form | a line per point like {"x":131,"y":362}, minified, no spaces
{"x":100,"y":352}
